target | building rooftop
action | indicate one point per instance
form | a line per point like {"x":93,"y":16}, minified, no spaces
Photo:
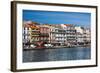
{"x":69,"y":24}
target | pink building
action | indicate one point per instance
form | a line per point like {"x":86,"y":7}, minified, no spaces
{"x":44,"y":34}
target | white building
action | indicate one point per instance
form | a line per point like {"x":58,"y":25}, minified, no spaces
{"x":57,"y":35}
{"x":80,"y":34}
{"x":83,"y":35}
{"x":87,"y":36}
{"x":70,"y":33}
{"x":26,"y":31}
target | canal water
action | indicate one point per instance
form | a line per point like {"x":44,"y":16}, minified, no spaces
{"x":62,"y":54}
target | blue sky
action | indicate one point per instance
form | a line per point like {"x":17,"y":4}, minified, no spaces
{"x":55,"y":17}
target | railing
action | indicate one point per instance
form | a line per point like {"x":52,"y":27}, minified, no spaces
{"x":43,"y":35}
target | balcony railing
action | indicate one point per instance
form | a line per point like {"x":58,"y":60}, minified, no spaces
{"x":43,"y":35}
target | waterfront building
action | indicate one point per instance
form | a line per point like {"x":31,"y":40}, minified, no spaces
{"x":58,"y":35}
{"x":26,"y":34}
{"x":44,"y":33}
{"x":70,"y":34}
{"x":30,"y":32}
{"x":83,"y":35}
{"x":49,"y":31}
{"x":80,"y":35}
{"x":87,"y":36}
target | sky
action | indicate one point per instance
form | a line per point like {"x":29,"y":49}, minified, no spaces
{"x":57,"y":17}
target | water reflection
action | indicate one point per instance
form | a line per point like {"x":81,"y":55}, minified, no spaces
{"x":56,"y":54}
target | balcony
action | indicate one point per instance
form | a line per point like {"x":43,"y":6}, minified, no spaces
{"x":34,"y":34}
{"x":44,"y":35}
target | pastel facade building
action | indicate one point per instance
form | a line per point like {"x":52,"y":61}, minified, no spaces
{"x":44,"y":33}
{"x":30,"y":32}
{"x":49,"y":31}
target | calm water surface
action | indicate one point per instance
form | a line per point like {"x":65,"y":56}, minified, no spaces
{"x":56,"y":54}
